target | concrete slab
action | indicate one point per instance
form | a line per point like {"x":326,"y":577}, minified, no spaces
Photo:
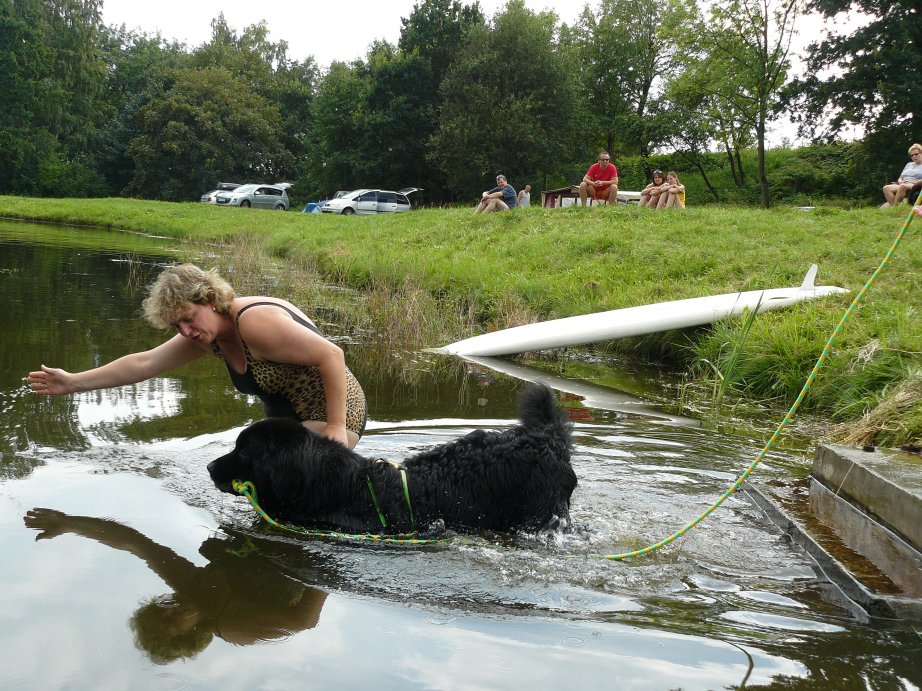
{"x":885,"y":484}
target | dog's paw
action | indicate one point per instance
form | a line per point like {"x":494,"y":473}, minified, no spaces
{"x":436,"y":529}
{"x":557,"y":524}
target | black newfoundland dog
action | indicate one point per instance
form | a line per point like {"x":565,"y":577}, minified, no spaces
{"x":518,"y":478}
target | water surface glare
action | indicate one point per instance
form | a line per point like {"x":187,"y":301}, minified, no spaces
{"x":125,"y":568}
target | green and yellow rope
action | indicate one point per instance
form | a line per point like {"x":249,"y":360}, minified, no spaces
{"x":248,"y":490}
{"x":787,"y":418}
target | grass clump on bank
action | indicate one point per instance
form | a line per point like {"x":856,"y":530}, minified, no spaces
{"x":435,"y":276}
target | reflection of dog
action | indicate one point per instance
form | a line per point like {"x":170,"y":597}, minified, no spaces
{"x":516,"y":478}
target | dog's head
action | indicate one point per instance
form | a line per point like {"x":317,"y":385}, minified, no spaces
{"x":260,"y":452}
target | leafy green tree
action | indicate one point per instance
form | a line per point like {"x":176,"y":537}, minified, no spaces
{"x":435,"y":30}
{"x":205,"y":126}
{"x":399,"y":118}
{"x":744,"y":46}
{"x":621,"y":52}
{"x":51,"y":80}
{"x":867,"y":78}
{"x":264,"y":67}
{"x":701,"y":104}
{"x":26,"y":139}
{"x":510,"y":104}
{"x":338,"y":129}
{"x":138,"y":69}
{"x":429,"y":42}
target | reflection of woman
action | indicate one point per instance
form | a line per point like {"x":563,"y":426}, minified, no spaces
{"x":271,"y":348}
{"x":238,"y":596}
{"x":649,"y":195}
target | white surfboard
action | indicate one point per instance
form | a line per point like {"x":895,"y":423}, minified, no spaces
{"x":635,"y":321}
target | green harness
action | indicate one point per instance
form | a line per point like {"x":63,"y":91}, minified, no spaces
{"x":406,"y":494}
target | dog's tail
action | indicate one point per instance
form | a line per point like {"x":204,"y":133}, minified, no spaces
{"x":538,"y":407}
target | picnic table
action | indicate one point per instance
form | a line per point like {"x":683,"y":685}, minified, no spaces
{"x":569,"y":196}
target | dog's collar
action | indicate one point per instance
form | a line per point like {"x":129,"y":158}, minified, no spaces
{"x":406,"y":494}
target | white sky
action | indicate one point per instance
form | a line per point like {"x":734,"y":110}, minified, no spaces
{"x":328,"y":30}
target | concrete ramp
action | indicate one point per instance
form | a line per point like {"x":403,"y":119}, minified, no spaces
{"x":860,"y":518}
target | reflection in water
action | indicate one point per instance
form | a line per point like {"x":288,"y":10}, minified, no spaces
{"x":239,"y":596}
{"x":580,"y":397}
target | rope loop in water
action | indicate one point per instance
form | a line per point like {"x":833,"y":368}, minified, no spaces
{"x":248,"y":490}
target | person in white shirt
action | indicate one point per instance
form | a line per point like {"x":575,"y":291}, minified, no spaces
{"x":909,"y":183}
{"x":525,"y":196}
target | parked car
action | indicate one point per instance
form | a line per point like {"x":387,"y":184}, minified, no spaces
{"x":370,"y":202}
{"x":212,"y":197}
{"x":258,"y":196}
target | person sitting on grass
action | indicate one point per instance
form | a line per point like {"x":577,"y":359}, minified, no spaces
{"x":500,"y":198}
{"x":649,"y":195}
{"x":672,"y":194}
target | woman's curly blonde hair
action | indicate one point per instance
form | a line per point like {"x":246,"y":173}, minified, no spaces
{"x":178,"y":286}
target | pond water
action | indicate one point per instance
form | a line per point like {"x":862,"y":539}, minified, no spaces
{"x":123,"y":567}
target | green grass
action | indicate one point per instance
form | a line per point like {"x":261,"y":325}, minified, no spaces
{"x":462,"y":274}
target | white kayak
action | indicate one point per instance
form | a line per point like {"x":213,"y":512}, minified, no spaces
{"x":636,"y":321}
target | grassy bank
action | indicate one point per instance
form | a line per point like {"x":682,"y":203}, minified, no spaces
{"x":465,"y":274}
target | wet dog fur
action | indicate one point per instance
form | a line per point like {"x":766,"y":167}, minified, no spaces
{"x":519,"y":478}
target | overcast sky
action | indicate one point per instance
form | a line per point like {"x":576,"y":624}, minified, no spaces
{"x":327,"y":30}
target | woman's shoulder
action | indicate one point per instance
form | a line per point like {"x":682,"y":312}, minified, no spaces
{"x":266,"y":307}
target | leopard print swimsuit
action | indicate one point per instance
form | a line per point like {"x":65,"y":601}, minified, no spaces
{"x":294,"y":391}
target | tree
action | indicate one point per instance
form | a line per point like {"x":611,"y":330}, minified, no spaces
{"x":399,"y":117}
{"x":746,"y":45}
{"x":204,"y":126}
{"x":138,"y":69}
{"x":509,"y":104}
{"x":429,"y":42}
{"x":263,"y":66}
{"x":867,"y":78}
{"x":703,"y":109}
{"x":620,"y":54}
{"x":339,"y":113}
{"x":435,"y":30}
{"x":50,"y":77}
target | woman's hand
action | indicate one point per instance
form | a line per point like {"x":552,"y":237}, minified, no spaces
{"x":51,"y":523}
{"x":337,"y":433}
{"x":51,"y":381}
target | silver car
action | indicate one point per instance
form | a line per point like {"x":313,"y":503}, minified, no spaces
{"x":212,"y":197}
{"x":257,"y":196}
{"x":370,"y":202}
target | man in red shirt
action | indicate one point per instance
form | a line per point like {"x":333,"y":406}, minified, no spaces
{"x":601,"y":181}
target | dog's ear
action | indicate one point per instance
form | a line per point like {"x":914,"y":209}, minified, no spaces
{"x":275,"y":450}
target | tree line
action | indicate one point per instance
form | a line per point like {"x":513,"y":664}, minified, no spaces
{"x":93,"y":110}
